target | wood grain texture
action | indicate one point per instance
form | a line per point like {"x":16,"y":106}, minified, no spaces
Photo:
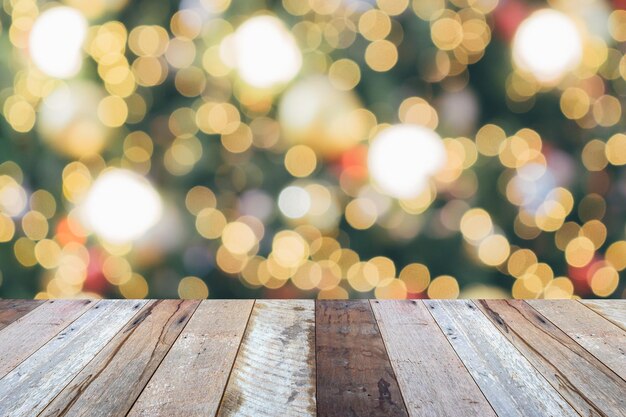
{"x":27,"y":389}
{"x":112,"y":381}
{"x":589,"y":386}
{"x":274,"y":373}
{"x":598,"y":335}
{"x":191,"y":379}
{"x":510,"y":383}
{"x":433,"y":379}
{"x":354,"y":375}
{"x":27,"y":334}
{"x":11,"y":310}
{"x":612,"y":310}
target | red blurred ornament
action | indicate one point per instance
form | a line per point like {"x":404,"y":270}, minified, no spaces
{"x":508,"y":16}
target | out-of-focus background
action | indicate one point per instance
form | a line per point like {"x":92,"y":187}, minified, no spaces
{"x":312,"y":148}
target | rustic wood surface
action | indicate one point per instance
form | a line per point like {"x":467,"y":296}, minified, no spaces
{"x":305,"y":358}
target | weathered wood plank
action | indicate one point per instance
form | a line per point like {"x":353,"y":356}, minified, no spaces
{"x":28,"y":388}
{"x":11,"y":310}
{"x":589,"y":386}
{"x":112,"y":381}
{"x":508,"y":380}
{"x":27,"y":334}
{"x":191,"y":379}
{"x":274,"y":373}
{"x":433,"y":380}
{"x":612,"y":310}
{"x":354,"y":375}
{"x":599,"y":336}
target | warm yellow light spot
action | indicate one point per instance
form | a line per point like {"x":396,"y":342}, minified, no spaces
{"x":238,"y":238}
{"x":596,"y":231}
{"x":35,"y":225}
{"x":24,"y":249}
{"x":594,"y":155}
{"x":135,"y":288}
{"x":574,"y":103}
{"x":289,"y":249}
{"x":336,"y":293}
{"x":579,"y":251}
{"x":48,"y":253}
{"x":117,"y":270}
{"x":374,"y":25}
{"x":344,"y":74}
{"x":113,"y":111}
{"x":308,"y":276}
{"x":446,"y":33}
{"x":210,"y":223}
{"x":361,"y":213}
{"x":476,"y":224}
{"x":239,"y":140}
{"x":520,"y":261}
{"x":381,"y":55}
{"x":198,"y":198}
{"x":300,"y":161}
{"x":527,"y":286}
{"x":489,"y":139}
{"x":494,"y":250}
{"x":604,"y":281}
{"x":416,"y":277}
{"x":363,"y":276}
{"x":192,"y":288}
{"x":7,"y":228}
{"x":43,"y":202}
{"x":616,"y":149}
{"x":391,"y":289}
{"x":444,"y":286}
{"x":616,"y":255}
{"x":559,"y":288}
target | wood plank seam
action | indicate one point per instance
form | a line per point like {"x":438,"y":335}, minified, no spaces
{"x":143,"y":315}
{"x":52,"y":337}
{"x":504,"y":327}
{"x":428,"y":308}
{"x":232,"y":365}
{"x":395,"y":373}
{"x":530,"y":362}
{"x":598,"y":313}
{"x":594,"y":354}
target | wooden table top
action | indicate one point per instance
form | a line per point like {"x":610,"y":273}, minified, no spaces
{"x":303,"y":358}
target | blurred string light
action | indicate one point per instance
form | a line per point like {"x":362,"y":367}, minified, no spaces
{"x":303,"y":135}
{"x":56,"y":40}
{"x":547,"y":45}
{"x":121,"y":206}
{"x":402,"y":158}
{"x":263,"y":51}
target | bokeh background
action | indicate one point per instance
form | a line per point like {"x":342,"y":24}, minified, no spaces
{"x":312,"y":148}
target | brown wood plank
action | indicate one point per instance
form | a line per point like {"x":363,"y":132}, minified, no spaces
{"x":112,"y":381}
{"x":27,"y":389}
{"x":11,"y":310}
{"x":274,"y":373}
{"x":191,"y":379}
{"x":612,"y":310}
{"x":354,"y":375}
{"x":510,"y":383}
{"x":589,"y":386}
{"x":599,"y":336}
{"x":27,"y":334}
{"x":433,"y":379}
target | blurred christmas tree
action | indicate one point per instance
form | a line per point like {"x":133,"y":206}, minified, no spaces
{"x":320,"y":148}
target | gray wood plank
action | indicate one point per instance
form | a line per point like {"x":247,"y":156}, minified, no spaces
{"x":11,"y":310}
{"x":510,"y":383}
{"x":27,"y":334}
{"x":274,"y":373}
{"x":612,"y":310}
{"x":191,"y":379}
{"x":599,"y":336}
{"x":589,"y":386}
{"x":112,"y":381}
{"x":28,"y":388}
{"x":432,"y":378}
